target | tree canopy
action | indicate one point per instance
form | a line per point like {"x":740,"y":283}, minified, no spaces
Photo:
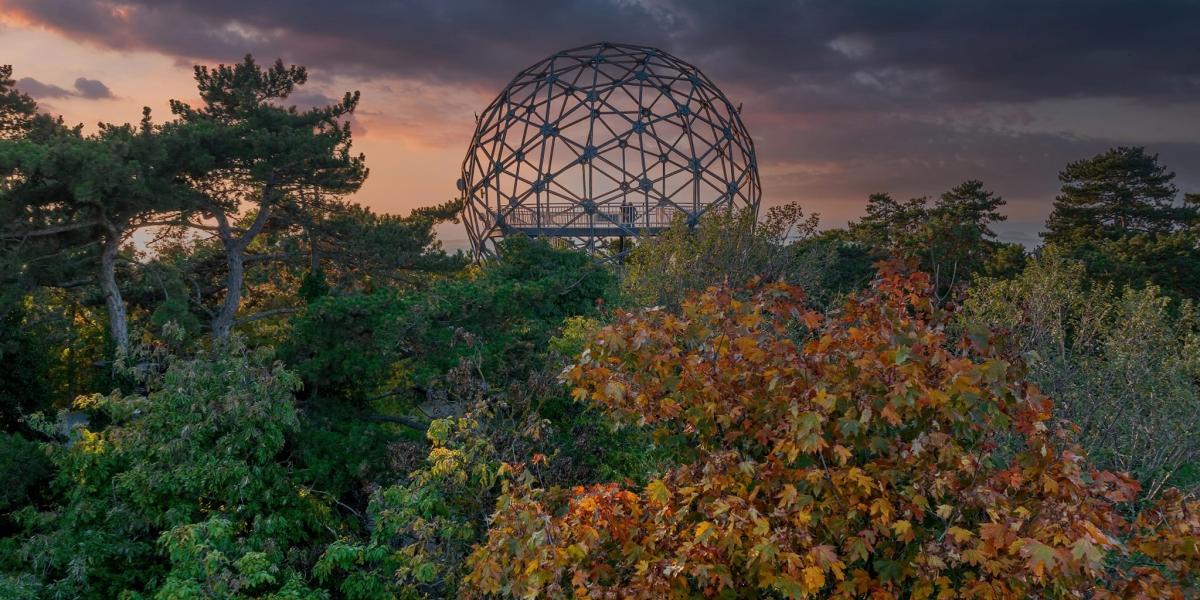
{"x":223,"y":378}
{"x":1121,"y":213}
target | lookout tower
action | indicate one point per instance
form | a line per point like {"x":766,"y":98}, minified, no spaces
{"x":604,"y":141}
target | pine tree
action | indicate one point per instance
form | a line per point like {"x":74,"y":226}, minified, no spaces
{"x":258,"y":158}
{"x":1120,"y":214}
{"x":1121,"y":192}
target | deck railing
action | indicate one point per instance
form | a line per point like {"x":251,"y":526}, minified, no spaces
{"x":576,"y":216}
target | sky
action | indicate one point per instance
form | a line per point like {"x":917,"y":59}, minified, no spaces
{"x":842,"y":98}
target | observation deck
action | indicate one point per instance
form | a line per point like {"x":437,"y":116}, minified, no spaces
{"x":572,"y":220}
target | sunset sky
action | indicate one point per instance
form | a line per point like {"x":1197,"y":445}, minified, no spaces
{"x":842,"y":98}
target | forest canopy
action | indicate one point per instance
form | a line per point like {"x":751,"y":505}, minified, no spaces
{"x":223,"y":378}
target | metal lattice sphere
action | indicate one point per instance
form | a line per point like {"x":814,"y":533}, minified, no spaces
{"x":604,"y":141}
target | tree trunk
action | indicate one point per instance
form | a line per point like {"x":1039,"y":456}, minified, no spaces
{"x":118,"y":321}
{"x":235,"y":259}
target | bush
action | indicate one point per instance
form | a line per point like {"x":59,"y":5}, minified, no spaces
{"x":24,"y":470}
{"x":849,"y":455}
{"x":1124,"y":367}
{"x":424,"y":526}
{"x":734,"y":249}
{"x":499,"y":316}
{"x":184,"y":494}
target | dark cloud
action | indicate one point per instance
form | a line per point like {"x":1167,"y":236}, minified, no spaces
{"x":88,"y":89}
{"x":92,"y":89}
{"x":942,"y":49}
{"x":41,"y":90}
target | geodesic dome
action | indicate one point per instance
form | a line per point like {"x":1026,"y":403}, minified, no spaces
{"x":604,"y":141}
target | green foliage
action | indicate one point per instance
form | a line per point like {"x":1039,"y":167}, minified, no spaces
{"x":951,"y":239}
{"x":435,"y":516}
{"x":499,"y":315}
{"x":212,"y":559}
{"x":24,"y":471}
{"x":1124,"y":366}
{"x":244,"y":134}
{"x":24,"y":378}
{"x":357,"y":244}
{"x":1113,"y":194}
{"x":348,"y":346}
{"x":184,"y":494}
{"x":340,"y":455}
{"x":1119,"y":213}
{"x":723,"y":247}
{"x":17,"y":109}
{"x":19,"y":116}
{"x":831,"y":267}
{"x":424,"y":526}
{"x":200,"y":477}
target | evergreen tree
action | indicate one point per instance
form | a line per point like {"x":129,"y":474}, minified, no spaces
{"x":74,"y":201}
{"x":254,"y":156}
{"x":960,"y":238}
{"x":890,"y":225}
{"x":1112,"y":195}
{"x":17,"y":109}
{"x":952,"y":238}
{"x":1119,"y":213}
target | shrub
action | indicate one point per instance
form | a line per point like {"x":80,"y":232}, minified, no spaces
{"x":848,"y":455}
{"x":184,"y":494}
{"x":722,"y":247}
{"x":423,"y":527}
{"x":24,"y":471}
{"x":1124,"y":367}
{"x":500,"y":316}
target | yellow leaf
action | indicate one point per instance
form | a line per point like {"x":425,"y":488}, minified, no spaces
{"x":657,"y":492}
{"x":531,"y":566}
{"x":959,"y":534}
{"x":788,"y":495}
{"x":814,"y":579}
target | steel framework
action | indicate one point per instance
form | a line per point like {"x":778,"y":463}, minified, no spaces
{"x":604,"y":141}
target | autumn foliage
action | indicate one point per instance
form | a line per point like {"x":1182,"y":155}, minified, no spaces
{"x":861,"y":453}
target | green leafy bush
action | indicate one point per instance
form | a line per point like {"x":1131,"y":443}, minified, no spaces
{"x":185,"y":493}
{"x":24,"y":469}
{"x":423,"y":527}
{"x":1124,"y":366}
{"x":499,"y":315}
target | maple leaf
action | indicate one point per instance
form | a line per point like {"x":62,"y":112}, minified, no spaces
{"x":1042,"y":558}
{"x":959,"y":534}
{"x":657,"y":491}
{"x":1083,"y":549}
{"x":910,"y":420}
{"x":814,"y":579}
{"x":903,"y":530}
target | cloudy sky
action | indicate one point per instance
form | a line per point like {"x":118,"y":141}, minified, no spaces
{"x":843,"y":98}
